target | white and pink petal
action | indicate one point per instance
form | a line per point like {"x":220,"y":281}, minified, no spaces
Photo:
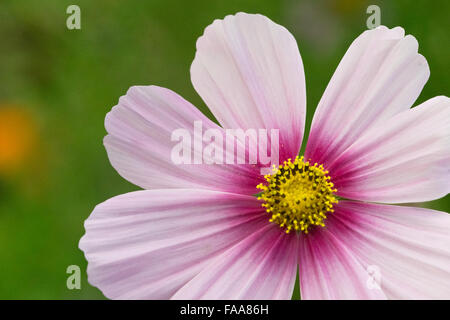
{"x":404,"y":159}
{"x":139,"y":145}
{"x":262,"y":266}
{"x":328,"y":270}
{"x":148,"y":244}
{"x":380,"y":75}
{"x":408,"y":246}
{"x":249,"y":72}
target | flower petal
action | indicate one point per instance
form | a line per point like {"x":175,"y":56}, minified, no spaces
{"x":409,"y":246}
{"x":249,"y":72}
{"x":148,"y":244}
{"x":405,"y":159}
{"x":380,"y":75}
{"x":139,"y":145}
{"x":329,"y":270}
{"x":263,"y":266}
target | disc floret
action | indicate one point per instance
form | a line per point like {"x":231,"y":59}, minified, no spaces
{"x":298,"y":195}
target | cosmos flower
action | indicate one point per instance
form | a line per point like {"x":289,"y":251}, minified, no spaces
{"x":227,"y":232}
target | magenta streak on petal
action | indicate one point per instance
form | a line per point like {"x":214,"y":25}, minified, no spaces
{"x":147,"y":244}
{"x":139,"y":145}
{"x":262,"y":266}
{"x":380,"y":75}
{"x":249,"y":72}
{"x":329,"y":270}
{"x":405,"y":159}
{"x":408,"y":245}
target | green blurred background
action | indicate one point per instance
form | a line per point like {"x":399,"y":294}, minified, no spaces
{"x":56,"y":85}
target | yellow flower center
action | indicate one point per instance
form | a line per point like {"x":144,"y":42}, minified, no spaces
{"x":298,"y":195}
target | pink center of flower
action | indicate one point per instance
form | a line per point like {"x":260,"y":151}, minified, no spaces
{"x":298,"y":195}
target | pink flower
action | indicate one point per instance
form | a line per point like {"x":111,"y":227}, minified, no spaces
{"x":198,"y":231}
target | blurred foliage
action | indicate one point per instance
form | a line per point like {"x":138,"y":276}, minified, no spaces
{"x":62,"y":82}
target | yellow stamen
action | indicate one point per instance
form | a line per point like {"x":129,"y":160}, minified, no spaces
{"x":298,"y":195}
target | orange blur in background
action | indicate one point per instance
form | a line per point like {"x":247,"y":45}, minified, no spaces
{"x":17,"y":138}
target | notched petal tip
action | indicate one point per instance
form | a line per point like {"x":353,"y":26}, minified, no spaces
{"x":249,"y":72}
{"x":380,"y":75}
